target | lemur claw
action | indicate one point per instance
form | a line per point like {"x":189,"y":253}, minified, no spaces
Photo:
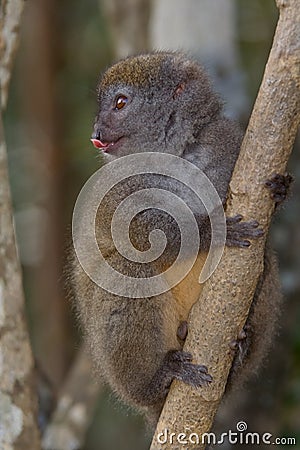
{"x":239,"y":232}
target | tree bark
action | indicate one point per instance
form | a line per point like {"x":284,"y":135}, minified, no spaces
{"x":190,"y":31}
{"x":10,"y":17}
{"x":18,"y":400}
{"x":222,"y":309}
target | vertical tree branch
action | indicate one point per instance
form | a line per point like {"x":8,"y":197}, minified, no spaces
{"x":75,"y":407}
{"x":10,"y":17}
{"x":18,"y":401}
{"x":222,"y":309}
{"x":43,"y":110}
{"x":129,"y":23}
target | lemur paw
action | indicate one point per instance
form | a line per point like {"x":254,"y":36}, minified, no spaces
{"x":279,"y":186}
{"x":239,"y":232}
{"x":179,"y":363}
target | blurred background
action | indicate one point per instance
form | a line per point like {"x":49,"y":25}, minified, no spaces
{"x":64,"y":48}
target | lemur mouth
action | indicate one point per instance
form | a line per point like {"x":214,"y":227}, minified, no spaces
{"x":103,"y":145}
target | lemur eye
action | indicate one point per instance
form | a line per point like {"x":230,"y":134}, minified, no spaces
{"x":121,"y":101}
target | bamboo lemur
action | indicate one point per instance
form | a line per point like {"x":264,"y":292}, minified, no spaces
{"x":163,"y":102}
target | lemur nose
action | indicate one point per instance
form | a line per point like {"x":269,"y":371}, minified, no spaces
{"x":96,"y":134}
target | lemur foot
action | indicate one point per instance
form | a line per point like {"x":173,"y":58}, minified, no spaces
{"x":239,"y":232}
{"x":182,"y":330}
{"x":241,"y":343}
{"x":180,"y":366}
{"x":279,"y":186}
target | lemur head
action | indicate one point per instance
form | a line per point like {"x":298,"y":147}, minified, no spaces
{"x":155,"y":102}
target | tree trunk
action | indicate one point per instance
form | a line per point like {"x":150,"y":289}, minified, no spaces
{"x":18,"y":399}
{"x":190,"y":31}
{"x":10,"y":17}
{"x":75,"y":407}
{"x":44,"y":122}
{"x":128,"y":21}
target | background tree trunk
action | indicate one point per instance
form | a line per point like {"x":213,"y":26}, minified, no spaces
{"x":187,"y":26}
{"x":10,"y":17}
{"x":44,"y":122}
{"x":18,"y":398}
{"x":76,"y":404}
{"x":128,"y":23}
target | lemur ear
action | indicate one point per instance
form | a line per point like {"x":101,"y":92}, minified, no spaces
{"x":178,"y":91}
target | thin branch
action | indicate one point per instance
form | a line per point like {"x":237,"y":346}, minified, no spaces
{"x":75,"y":407}
{"x":221,"y":312}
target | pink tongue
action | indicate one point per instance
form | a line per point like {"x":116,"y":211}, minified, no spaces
{"x":99,"y":144}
